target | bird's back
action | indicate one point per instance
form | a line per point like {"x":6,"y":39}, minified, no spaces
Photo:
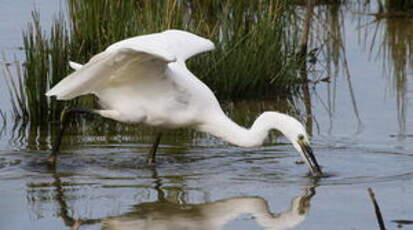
{"x":170,"y":97}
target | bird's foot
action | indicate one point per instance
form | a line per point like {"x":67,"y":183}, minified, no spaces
{"x":151,"y":162}
{"x":51,"y":161}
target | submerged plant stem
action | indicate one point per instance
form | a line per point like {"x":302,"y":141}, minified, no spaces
{"x":377,"y":209}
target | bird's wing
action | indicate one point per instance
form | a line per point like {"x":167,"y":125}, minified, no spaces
{"x":180,"y":43}
{"x":185,"y":45}
{"x":102,"y":67}
{"x":164,"y":47}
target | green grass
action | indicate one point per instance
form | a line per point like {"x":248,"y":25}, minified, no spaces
{"x":254,"y":56}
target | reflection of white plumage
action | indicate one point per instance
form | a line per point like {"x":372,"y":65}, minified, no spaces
{"x":167,"y":215}
{"x":145,"y":80}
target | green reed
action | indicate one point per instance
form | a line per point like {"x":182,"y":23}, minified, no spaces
{"x":255,"y":46}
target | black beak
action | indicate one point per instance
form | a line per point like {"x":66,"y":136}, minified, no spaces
{"x":310,"y":159}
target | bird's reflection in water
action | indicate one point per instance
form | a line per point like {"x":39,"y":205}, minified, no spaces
{"x":175,"y":215}
{"x":164,"y":214}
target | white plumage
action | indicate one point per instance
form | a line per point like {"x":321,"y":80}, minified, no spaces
{"x":144,"y":79}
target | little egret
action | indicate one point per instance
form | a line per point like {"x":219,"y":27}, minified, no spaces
{"x":144,"y":80}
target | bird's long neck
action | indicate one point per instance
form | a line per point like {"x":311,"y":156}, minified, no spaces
{"x":221,"y":212}
{"x":223,"y":127}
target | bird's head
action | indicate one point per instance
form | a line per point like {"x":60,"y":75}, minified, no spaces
{"x":302,"y":144}
{"x":296,"y":133}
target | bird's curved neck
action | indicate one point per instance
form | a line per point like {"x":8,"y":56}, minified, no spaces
{"x":221,"y":212}
{"x":223,"y":127}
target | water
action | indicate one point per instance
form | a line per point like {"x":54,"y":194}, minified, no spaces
{"x":202,"y":183}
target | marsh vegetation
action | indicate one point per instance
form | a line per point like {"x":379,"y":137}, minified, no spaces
{"x":258,"y":51}
{"x":358,"y":69}
{"x":255,"y":47}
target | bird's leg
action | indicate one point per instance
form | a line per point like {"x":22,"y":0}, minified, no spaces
{"x":152,"y":151}
{"x":64,"y":118}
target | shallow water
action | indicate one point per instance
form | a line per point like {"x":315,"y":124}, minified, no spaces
{"x":201,"y":183}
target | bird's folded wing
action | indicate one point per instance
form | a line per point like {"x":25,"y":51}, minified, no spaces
{"x":101,"y":67}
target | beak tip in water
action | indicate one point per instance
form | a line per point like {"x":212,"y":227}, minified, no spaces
{"x":310,"y":159}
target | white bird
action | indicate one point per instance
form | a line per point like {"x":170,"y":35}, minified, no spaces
{"x":144,"y":80}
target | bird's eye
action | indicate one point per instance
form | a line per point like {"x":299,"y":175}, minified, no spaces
{"x":300,"y":137}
